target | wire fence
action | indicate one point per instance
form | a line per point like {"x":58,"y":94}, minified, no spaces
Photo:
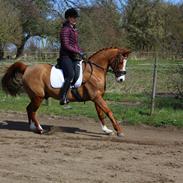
{"x":46,"y":56}
{"x":139,"y":76}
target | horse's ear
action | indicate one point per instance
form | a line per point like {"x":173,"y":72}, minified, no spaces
{"x":127,"y":52}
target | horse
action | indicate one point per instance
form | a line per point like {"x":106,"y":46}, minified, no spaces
{"x":36,"y":83}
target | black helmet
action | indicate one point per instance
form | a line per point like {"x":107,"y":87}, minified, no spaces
{"x":71,"y":12}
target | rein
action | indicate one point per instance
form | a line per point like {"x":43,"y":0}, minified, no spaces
{"x":92,"y":63}
{"x":91,"y":66}
{"x":105,"y":70}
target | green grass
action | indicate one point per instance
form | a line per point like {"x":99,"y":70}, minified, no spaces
{"x":129,"y":101}
{"x":133,"y":109}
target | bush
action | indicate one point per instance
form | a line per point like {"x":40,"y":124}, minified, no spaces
{"x":178,"y":83}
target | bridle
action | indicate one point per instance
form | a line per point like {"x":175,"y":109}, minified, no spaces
{"x":114,"y":66}
{"x":115,"y":62}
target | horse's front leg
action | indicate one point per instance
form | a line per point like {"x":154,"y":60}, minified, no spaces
{"x":103,"y":105}
{"x":102,"y":122}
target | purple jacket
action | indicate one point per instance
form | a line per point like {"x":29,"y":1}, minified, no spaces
{"x":69,"y":40}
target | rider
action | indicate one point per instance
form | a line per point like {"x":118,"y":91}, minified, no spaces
{"x":69,"y":51}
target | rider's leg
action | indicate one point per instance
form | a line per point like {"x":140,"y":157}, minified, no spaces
{"x":76,"y":67}
{"x":63,"y":92}
{"x":67,"y":67}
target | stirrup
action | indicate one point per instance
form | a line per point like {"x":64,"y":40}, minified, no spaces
{"x":64,"y":101}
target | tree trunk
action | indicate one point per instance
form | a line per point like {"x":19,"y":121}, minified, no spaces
{"x":20,"y":48}
{"x":1,"y":51}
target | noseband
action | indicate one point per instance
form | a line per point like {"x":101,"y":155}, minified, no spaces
{"x":119,"y":73}
{"x":114,"y":65}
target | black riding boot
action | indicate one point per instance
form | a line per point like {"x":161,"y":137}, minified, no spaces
{"x":63,"y":93}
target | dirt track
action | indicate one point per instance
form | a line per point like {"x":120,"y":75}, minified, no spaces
{"x":75,"y":150}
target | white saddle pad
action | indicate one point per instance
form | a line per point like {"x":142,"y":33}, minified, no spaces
{"x":57,"y":77}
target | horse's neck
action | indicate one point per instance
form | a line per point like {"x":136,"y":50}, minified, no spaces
{"x":104,"y":58}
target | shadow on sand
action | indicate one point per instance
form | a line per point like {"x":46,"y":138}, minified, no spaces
{"x":48,"y":129}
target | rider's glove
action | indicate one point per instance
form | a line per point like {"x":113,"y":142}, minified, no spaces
{"x":83,"y":55}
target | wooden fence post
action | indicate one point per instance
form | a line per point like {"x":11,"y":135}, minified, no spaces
{"x":47,"y":102}
{"x":154,"y":86}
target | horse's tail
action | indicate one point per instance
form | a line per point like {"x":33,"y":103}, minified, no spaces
{"x":11,"y":83}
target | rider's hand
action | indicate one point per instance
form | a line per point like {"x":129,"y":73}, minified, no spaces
{"x":83,"y":55}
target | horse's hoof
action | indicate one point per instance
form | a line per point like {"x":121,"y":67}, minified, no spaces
{"x":120,"y":134}
{"x":106,"y":130}
{"x":40,"y":132}
{"x":110,"y":134}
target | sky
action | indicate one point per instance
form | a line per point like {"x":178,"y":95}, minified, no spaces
{"x":116,"y":1}
{"x":175,"y":1}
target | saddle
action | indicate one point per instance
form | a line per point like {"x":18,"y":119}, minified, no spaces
{"x":57,"y":77}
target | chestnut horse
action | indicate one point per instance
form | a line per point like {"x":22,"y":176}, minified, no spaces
{"x":36,"y":82}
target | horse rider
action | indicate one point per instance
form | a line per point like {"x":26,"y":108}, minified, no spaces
{"x":69,"y":51}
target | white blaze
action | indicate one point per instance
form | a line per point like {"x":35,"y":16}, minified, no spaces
{"x":122,"y":78}
{"x":124,"y":64}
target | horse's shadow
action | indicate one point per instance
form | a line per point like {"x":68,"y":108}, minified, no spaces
{"x":48,"y":129}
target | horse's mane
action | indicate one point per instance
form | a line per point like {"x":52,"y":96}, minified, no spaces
{"x":103,"y":49}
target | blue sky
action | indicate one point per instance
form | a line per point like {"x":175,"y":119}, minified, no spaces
{"x":117,"y":1}
{"x":175,"y":1}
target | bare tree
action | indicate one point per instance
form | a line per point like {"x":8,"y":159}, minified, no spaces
{"x":10,"y":29}
{"x":34,"y":16}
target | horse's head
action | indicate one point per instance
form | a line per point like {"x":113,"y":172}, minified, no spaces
{"x":118,"y":64}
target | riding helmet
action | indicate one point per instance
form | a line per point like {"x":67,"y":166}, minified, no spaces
{"x":71,"y":12}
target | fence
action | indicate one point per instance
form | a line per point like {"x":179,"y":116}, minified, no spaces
{"x":47,"y":56}
{"x":140,"y":69}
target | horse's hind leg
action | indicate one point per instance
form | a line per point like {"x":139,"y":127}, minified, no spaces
{"x":28,"y":113}
{"x":102,"y":122}
{"x":31,"y":112}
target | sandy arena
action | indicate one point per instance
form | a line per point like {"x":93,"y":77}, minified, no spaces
{"x":74,"y":150}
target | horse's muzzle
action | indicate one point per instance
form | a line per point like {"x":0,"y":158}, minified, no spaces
{"x":120,"y":79}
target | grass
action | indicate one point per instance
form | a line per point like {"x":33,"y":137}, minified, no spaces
{"x":129,"y":101}
{"x":133,"y":109}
